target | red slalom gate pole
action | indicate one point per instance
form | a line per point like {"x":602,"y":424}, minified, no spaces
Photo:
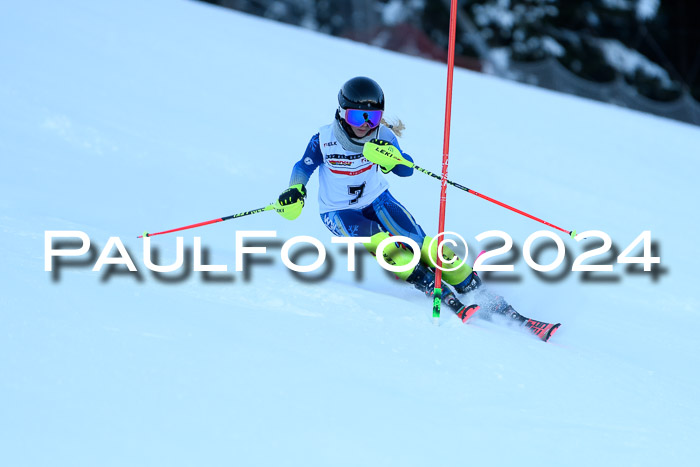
{"x":445,"y":157}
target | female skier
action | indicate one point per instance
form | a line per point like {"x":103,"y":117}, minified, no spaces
{"x":355,"y":201}
{"x":354,"y":197}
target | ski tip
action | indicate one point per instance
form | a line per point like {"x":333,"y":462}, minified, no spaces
{"x":551,"y":331}
{"x":466,"y":313}
{"x":541,"y":329}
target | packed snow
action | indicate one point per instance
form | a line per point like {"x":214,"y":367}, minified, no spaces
{"x":120,"y":117}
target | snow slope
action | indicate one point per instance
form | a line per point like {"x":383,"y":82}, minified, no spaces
{"x":124,"y":116}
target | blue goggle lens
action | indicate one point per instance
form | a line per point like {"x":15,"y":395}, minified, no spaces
{"x":356,"y":117}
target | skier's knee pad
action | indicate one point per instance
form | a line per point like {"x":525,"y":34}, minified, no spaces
{"x":458,"y":271}
{"x":393,"y":254}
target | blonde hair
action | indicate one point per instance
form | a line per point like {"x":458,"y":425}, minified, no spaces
{"x":396,"y":126}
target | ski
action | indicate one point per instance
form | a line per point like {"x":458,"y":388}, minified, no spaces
{"x":541,"y":329}
{"x":491,"y":304}
{"x":466,"y":312}
{"x":463,"y":312}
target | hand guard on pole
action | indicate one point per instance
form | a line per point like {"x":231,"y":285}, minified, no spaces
{"x":384,"y":154}
{"x":290,"y":203}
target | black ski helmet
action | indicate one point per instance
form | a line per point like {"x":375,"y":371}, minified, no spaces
{"x":361,"y":93}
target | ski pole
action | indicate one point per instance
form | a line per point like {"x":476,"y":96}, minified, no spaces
{"x":572,"y":233}
{"x":213,"y":221}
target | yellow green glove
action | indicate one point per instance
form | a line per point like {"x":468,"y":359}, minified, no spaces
{"x":384,"y":154}
{"x":290,"y":203}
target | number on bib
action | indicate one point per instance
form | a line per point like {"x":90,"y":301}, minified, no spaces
{"x":356,"y":190}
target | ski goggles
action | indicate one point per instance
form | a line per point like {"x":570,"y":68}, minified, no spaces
{"x":357,"y":117}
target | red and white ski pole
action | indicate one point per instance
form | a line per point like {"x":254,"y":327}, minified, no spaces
{"x":213,"y":221}
{"x":571,"y":233}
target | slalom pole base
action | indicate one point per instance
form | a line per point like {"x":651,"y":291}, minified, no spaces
{"x":437,"y":299}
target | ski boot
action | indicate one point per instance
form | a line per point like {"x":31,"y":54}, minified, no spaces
{"x":469,"y":285}
{"x":424,"y":280}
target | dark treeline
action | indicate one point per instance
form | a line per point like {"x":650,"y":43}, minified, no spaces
{"x":653,"y":44}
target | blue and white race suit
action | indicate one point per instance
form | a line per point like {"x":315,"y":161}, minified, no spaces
{"x":353,"y":196}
